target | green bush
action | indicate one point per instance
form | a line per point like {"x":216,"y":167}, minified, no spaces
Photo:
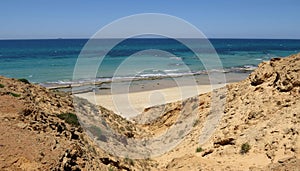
{"x":24,"y":80}
{"x":245,"y":148}
{"x":69,"y":118}
{"x":1,"y":86}
{"x":199,"y":149}
{"x":128,"y":161}
{"x":14,"y":94}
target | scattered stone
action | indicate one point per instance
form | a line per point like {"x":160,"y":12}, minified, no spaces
{"x":207,"y":152}
{"x":227,"y":141}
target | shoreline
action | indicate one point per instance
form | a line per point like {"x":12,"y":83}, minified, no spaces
{"x":129,"y":99}
{"x":140,"y":85}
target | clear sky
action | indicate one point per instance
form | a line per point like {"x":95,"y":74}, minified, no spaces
{"x":215,"y":18}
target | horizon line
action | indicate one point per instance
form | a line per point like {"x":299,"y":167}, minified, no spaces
{"x":74,"y":38}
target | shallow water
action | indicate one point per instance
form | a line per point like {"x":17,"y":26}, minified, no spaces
{"x":53,"y":61}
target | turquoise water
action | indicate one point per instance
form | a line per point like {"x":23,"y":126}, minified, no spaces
{"x":53,"y":61}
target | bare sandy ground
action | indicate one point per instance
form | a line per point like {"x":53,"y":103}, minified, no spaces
{"x":132,"y":104}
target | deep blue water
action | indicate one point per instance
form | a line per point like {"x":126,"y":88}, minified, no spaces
{"x":54,"y":60}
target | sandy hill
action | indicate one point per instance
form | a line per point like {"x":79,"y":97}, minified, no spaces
{"x":258,"y":128}
{"x":39,"y":131}
{"x":261,"y":114}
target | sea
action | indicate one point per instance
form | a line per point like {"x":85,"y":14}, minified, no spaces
{"x":52,"y":62}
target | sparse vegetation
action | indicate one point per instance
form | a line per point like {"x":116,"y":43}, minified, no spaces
{"x":14,"y":94}
{"x":96,"y":131}
{"x":196,"y":122}
{"x":110,"y":169}
{"x":92,"y":149}
{"x":69,"y":118}
{"x":24,"y":80}
{"x":199,"y":149}
{"x":1,"y":86}
{"x":128,"y":161}
{"x":245,"y":148}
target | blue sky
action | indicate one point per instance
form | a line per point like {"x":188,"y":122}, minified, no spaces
{"x":27,"y":19}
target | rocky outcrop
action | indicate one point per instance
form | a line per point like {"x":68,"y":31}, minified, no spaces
{"x":259,"y":128}
{"x":40,"y":131}
{"x":282,"y":74}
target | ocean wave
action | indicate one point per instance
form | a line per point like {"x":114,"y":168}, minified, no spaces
{"x":147,"y":76}
{"x":170,"y":70}
{"x":244,"y":68}
{"x":176,"y":58}
{"x":161,"y":75}
{"x":250,"y":67}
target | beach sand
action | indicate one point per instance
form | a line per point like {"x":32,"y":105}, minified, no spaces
{"x":129,"y":99}
{"x":132,"y":104}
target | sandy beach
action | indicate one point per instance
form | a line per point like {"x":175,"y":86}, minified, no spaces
{"x":132,"y":104}
{"x":129,"y":99}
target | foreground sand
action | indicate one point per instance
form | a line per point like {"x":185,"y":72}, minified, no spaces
{"x":132,"y":104}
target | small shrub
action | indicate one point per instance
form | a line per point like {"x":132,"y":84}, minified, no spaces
{"x":196,"y":122}
{"x":199,"y":149}
{"x":14,"y":94}
{"x":129,"y":161}
{"x":96,"y":131}
{"x":1,"y":86}
{"x":110,"y":169}
{"x":69,"y":118}
{"x":92,"y":149}
{"x":245,"y":148}
{"x":24,"y":80}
